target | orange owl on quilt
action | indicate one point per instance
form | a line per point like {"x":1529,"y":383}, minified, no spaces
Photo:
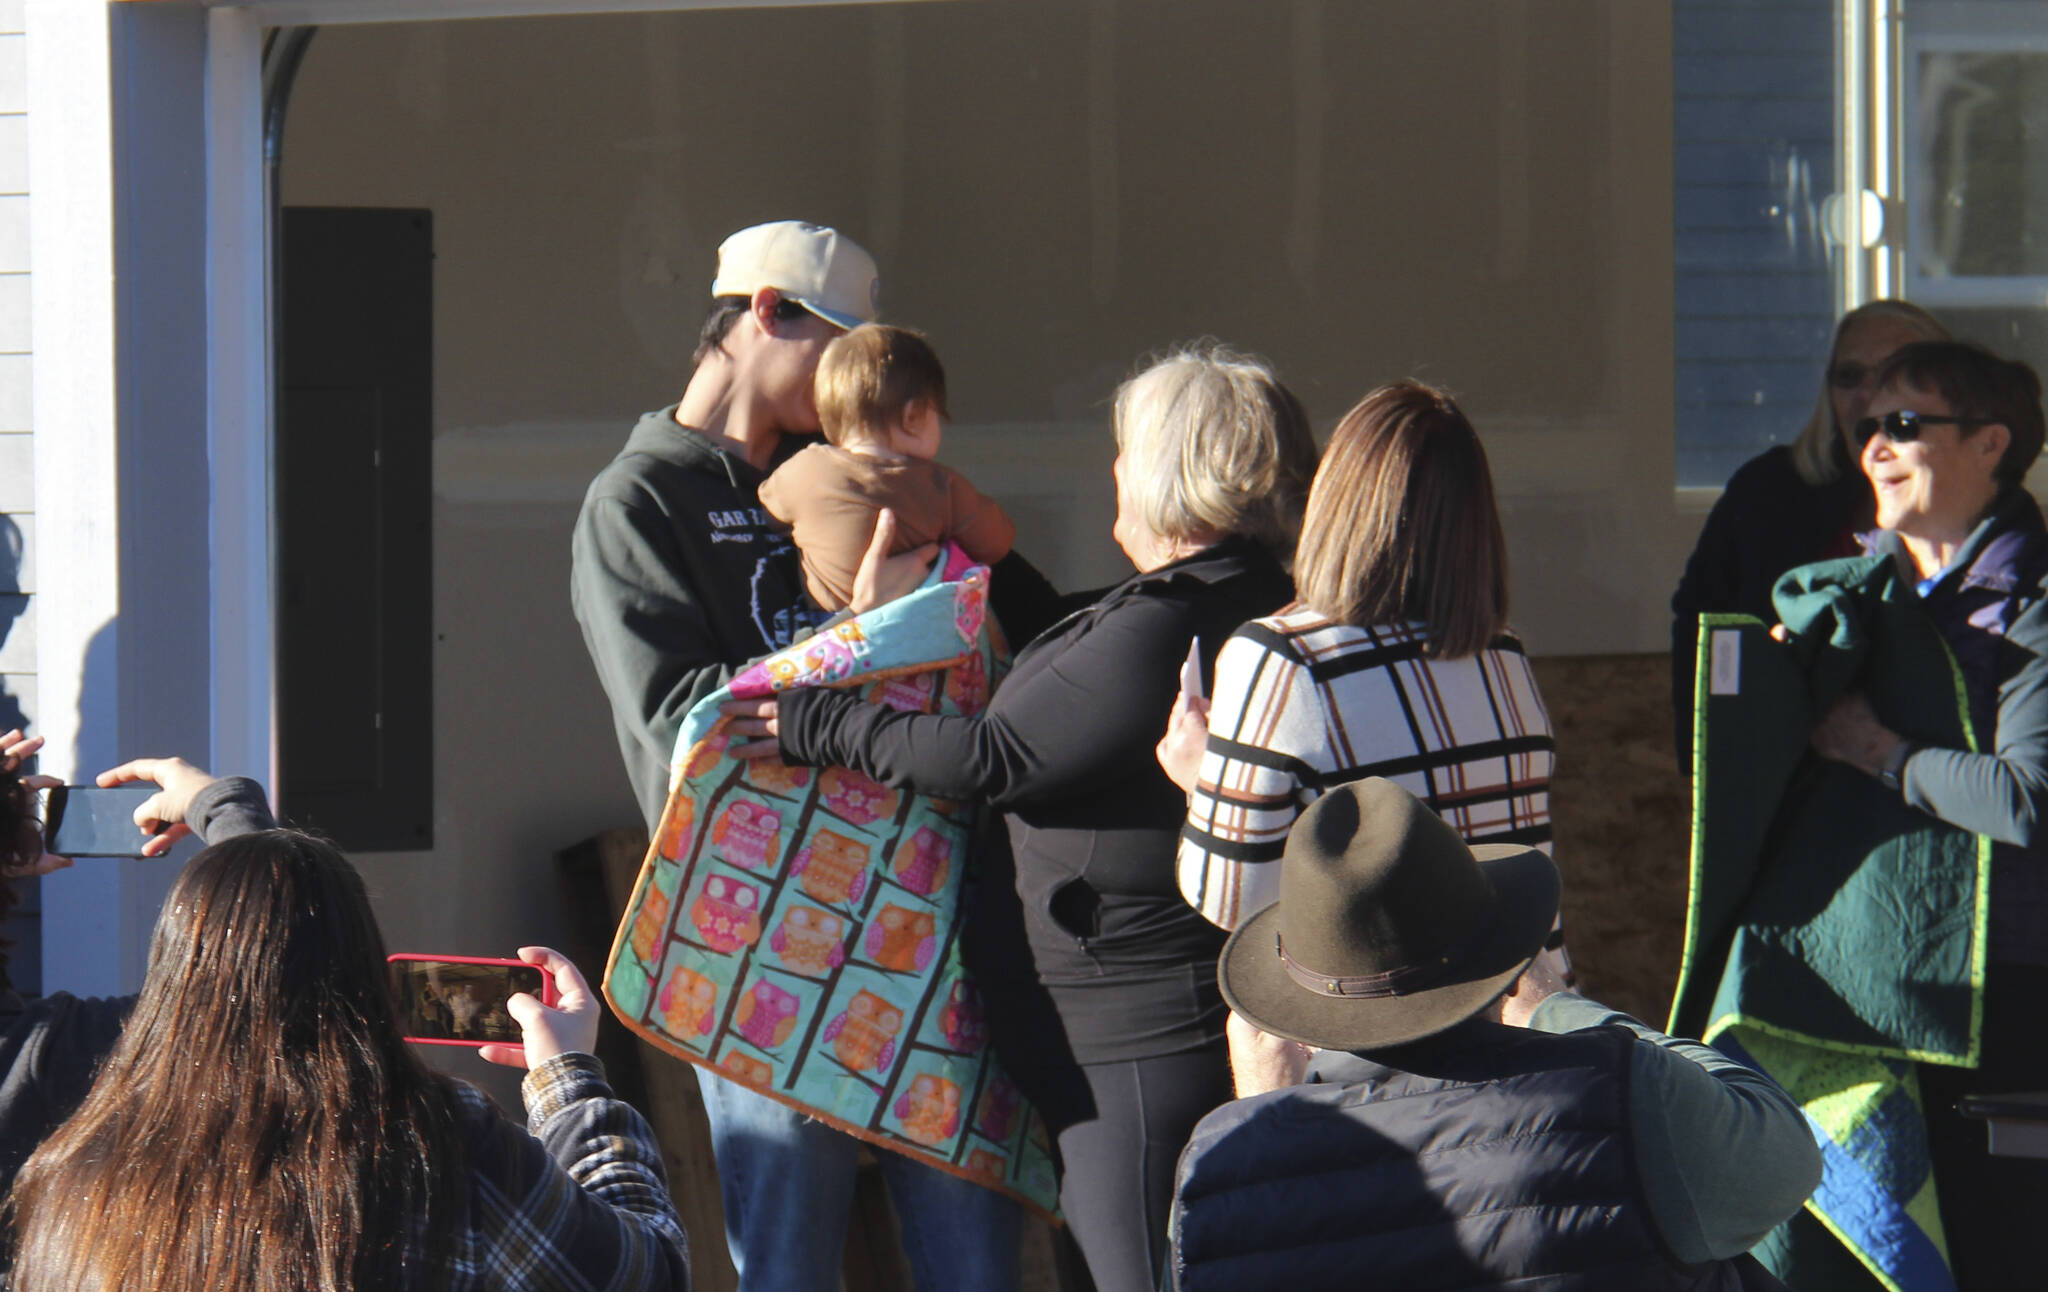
{"x":930,"y":1109}
{"x":833,"y":868}
{"x":863,"y":1035}
{"x":902,"y":940}
{"x":687,"y":1003}
{"x":647,"y":926}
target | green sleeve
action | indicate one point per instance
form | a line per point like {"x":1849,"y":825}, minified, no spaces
{"x":1725,"y":1155}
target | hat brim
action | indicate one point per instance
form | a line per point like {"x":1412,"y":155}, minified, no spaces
{"x":1257,"y":985}
{"x":837,"y":318}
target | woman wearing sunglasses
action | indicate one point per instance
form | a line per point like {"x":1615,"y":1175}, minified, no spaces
{"x":1791,"y":504}
{"x":1946,"y":442}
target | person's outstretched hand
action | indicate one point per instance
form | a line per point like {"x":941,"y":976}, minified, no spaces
{"x":162,"y":815}
{"x":15,"y":750}
{"x":569,"y":1027}
{"x":881,"y":577}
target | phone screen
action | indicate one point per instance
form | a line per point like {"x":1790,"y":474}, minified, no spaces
{"x":1191,"y":671}
{"x":460,"y":1002}
{"x":87,"y":821}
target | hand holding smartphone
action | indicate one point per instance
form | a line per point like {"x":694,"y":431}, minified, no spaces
{"x":1187,"y":725}
{"x":87,"y":821}
{"x":520,"y":1013}
{"x":461,"y":1000}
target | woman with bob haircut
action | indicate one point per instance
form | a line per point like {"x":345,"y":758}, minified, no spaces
{"x":261,"y":1123}
{"x":1791,"y":504}
{"x":1395,"y":662}
{"x":1115,"y":1029}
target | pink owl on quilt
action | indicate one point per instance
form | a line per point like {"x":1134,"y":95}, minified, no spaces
{"x":910,"y":694}
{"x":854,"y":798}
{"x":863,"y":1035}
{"x":835,"y":655}
{"x":648,"y":924}
{"x":967,"y":684}
{"x":766,"y":1015}
{"x":969,"y":609}
{"x":923,"y":861}
{"x":961,"y":1021}
{"x":747,"y":834}
{"x":810,"y":941}
{"x":687,"y":1003}
{"x":929,"y":1110}
{"x":727,"y":914}
{"x":902,"y":940}
{"x":996,"y":1116}
{"x":833,"y":868}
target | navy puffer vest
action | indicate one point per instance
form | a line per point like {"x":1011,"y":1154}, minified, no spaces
{"x":1503,"y":1159}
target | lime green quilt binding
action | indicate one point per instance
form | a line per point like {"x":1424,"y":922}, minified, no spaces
{"x":1689,"y":949}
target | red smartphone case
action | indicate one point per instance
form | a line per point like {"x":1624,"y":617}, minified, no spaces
{"x":549,"y":996}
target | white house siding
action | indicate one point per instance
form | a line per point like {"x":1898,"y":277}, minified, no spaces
{"x":17,"y":465}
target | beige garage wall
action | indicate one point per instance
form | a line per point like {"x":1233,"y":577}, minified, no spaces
{"x":1476,"y":192}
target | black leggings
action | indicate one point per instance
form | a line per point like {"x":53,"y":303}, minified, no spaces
{"x":1118,"y":1183}
{"x":1991,"y":1206}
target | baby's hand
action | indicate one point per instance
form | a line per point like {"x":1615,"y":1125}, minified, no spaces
{"x":882,"y":578}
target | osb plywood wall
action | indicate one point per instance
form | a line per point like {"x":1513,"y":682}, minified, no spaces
{"x":1623,"y":817}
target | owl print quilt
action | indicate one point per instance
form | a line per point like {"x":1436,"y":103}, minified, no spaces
{"x":797,"y":929}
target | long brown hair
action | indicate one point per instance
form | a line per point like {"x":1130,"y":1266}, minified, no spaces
{"x":261,"y":1123}
{"x":1401,"y":523}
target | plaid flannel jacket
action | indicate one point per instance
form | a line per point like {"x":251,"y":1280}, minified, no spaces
{"x":580,"y":1203}
{"x":1302,"y":703}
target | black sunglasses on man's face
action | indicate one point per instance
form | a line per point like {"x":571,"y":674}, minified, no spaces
{"x":1903,"y":427}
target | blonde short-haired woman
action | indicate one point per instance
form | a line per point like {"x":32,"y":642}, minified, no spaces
{"x":1100,"y":981}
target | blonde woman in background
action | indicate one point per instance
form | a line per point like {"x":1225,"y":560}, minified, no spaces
{"x":1793,"y":503}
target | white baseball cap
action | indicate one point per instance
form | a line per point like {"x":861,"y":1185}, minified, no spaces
{"x":821,"y":269}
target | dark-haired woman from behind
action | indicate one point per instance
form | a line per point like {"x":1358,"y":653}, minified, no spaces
{"x":263,"y":1125}
{"x":1396,"y":661}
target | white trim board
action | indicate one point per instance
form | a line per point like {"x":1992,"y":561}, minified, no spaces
{"x":330,"y":13}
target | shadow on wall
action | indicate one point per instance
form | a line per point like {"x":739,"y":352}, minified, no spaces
{"x":96,"y":747}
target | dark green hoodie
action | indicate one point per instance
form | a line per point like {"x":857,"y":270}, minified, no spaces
{"x":677,"y":577}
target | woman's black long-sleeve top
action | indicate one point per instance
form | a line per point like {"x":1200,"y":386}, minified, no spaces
{"x":1064,"y":751}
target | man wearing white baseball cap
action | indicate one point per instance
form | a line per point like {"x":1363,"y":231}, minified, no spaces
{"x":678,"y":578}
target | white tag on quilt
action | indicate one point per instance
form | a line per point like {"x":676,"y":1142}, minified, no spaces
{"x":1724,"y":673}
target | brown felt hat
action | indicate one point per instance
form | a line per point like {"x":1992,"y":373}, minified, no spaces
{"x":1389,"y":928}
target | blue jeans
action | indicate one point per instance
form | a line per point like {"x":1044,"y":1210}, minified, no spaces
{"x":787,"y":1182}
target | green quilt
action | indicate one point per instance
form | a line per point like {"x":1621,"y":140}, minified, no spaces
{"x":1835,"y":936}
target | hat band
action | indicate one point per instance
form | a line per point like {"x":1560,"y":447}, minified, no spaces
{"x":1400,"y":981}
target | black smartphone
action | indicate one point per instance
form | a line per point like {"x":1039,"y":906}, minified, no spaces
{"x":87,"y":821}
{"x":460,"y":1000}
